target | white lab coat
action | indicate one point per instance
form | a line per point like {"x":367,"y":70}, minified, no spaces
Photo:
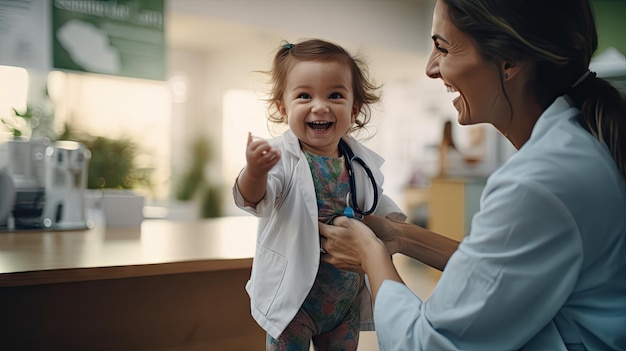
{"x":288,"y":247}
{"x":544,"y":266}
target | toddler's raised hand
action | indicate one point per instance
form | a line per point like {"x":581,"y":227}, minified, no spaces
{"x":260,"y":156}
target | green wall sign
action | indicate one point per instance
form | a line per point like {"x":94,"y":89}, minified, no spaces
{"x":115,"y":37}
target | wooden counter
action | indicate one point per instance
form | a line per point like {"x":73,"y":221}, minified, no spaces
{"x":164,"y":286}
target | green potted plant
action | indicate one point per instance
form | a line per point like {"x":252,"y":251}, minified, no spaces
{"x":36,"y":121}
{"x":114,"y":176}
{"x":194,"y":184}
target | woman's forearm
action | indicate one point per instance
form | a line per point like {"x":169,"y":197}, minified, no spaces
{"x":412,"y":240}
{"x":428,"y":247}
{"x":379,"y":267}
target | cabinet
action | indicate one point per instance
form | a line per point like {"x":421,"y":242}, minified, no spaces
{"x":416,"y":205}
{"x":452,"y":202}
{"x":164,"y":285}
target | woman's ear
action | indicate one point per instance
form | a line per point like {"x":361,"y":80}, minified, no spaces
{"x":510,"y":69}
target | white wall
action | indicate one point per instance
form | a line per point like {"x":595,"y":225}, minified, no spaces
{"x":215,"y":46}
{"x":399,"y":25}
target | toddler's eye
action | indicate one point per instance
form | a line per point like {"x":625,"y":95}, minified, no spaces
{"x":335,"y":96}
{"x":304,"y":96}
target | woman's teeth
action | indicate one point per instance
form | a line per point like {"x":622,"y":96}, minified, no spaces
{"x":451,"y":90}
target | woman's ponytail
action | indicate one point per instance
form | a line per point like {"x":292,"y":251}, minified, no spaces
{"x":603,"y":114}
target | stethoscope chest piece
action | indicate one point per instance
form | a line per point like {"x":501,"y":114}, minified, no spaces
{"x":348,"y":211}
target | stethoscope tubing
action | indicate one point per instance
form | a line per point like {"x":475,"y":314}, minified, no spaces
{"x":349,"y":159}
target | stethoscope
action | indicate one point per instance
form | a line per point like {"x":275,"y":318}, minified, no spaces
{"x":352,"y":209}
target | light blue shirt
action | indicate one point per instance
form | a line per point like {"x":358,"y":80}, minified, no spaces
{"x":544,"y":266}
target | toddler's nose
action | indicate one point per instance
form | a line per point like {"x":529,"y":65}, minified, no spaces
{"x":319,"y":106}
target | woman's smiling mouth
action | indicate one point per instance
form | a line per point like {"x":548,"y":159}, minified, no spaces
{"x":457,"y":99}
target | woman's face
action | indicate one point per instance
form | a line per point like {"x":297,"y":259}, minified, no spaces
{"x":455,"y":59}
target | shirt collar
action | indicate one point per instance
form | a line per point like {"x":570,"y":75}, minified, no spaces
{"x":561,"y":109}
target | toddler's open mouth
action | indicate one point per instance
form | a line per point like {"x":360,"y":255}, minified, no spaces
{"x":320,"y":126}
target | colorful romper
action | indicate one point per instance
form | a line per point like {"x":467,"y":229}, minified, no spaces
{"x":330,"y":314}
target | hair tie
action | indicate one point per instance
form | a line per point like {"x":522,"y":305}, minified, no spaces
{"x":288,"y":46}
{"x":583,"y":77}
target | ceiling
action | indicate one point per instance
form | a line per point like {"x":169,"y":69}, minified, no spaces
{"x":207,"y":25}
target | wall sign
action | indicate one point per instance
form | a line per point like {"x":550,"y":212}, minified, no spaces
{"x":115,"y":37}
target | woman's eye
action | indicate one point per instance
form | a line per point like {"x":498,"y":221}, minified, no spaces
{"x":335,"y":96}
{"x":445,"y":51}
{"x":304,"y":96}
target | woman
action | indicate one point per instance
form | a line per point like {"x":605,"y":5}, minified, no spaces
{"x":544,"y":266}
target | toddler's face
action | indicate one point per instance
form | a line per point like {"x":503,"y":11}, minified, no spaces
{"x":318,"y":104}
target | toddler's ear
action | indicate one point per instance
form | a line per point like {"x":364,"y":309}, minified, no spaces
{"x":281,"y":109}
{"x":355,"y":112}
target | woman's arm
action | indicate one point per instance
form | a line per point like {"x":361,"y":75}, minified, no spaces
{"x":350,"y":244}
{"x":414,"y":241}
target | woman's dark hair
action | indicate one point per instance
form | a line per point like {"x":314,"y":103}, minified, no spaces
{"x":321,"y":51}
{"x":560,"y":37}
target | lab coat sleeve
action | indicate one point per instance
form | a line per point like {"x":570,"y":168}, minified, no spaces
{"x":505,"y":282}
{"x":273,"y":192}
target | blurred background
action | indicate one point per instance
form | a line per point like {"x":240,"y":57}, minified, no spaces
{"x":175,"y":85}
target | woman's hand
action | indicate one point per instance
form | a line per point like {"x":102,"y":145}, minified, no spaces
{"x":387,"y":229}
{"x":346,"y":243}
{"x":351,"y":245}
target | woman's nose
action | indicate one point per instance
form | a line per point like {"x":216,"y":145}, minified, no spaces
{"x":432,"y":66}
